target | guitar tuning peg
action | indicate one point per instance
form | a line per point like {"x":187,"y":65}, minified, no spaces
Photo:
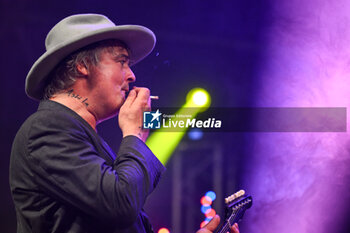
{"x":229,"y":199}
{"x":239,"y":193}
{"x":234,"y":196}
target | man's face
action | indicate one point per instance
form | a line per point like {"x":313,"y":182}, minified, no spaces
{"x":110,"y":81}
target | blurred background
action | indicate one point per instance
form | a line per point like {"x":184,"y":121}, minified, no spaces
{"x":245,"y":53}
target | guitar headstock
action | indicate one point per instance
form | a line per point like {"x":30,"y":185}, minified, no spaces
{"x":234,"y":196}
{"x":236,"y":205}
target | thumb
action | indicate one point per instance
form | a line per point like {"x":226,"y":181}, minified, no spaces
{"x":213,"y":224}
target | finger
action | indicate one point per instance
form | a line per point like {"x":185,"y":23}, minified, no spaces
{"x":149,"y":103}
{"x":142,"y":92}
{"x":142,"y":97}
{"x":235,"y":228}
{"x":131,"y":98}
{"x":213,"y":224}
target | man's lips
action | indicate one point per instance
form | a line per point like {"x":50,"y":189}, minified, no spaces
{"x":125,"y":91}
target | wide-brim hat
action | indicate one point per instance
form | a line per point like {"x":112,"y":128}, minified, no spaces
{"x":78,"y":31}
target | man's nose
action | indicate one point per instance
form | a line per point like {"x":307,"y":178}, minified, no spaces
{"x":130,"y":76}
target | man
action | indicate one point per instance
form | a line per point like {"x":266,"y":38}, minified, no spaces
{"x":63,"y":176}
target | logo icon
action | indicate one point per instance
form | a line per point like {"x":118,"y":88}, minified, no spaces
{"x":151,"y":120}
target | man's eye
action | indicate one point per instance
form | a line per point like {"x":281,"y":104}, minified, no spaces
{"x":122,"y":62}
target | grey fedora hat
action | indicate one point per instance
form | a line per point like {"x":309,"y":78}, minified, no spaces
{"x":77,"y":31}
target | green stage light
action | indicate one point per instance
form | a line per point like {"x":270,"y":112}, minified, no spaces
{"x":164,"y":143}
{"x":198,"y":98}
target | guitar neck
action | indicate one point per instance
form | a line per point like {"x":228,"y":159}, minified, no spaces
{"x":225,"y":228}
{"x":234,"y":218}
{"x":236,"y":205}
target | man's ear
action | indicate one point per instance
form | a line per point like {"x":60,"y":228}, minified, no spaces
{"x":82,"y":69}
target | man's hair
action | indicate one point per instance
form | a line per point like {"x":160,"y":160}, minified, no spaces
{"x":65,"y":73}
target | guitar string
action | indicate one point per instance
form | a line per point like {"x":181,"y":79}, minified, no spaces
{"x":230,"y":221}
{"x":226,"y":227}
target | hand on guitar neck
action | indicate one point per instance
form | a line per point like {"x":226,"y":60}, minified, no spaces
{"x":214,"y":223}
{"x":235,"y":207}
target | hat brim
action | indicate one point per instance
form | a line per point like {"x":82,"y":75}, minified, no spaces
{"x":140,"y":41}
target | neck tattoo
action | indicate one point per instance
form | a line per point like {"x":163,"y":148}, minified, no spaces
{"x":78,"y":97}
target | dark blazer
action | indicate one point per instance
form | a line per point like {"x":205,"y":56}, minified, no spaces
{"x":65,"y":178}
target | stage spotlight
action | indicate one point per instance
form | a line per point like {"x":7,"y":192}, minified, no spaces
{"x":206,"y":201}
{"x":198,"y":98}
{"x":195,"y":134}
{"x":163,"y":230}
{"x":205,"y":208}
{"x":210,"y":213}
{"x":211,"y":195}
